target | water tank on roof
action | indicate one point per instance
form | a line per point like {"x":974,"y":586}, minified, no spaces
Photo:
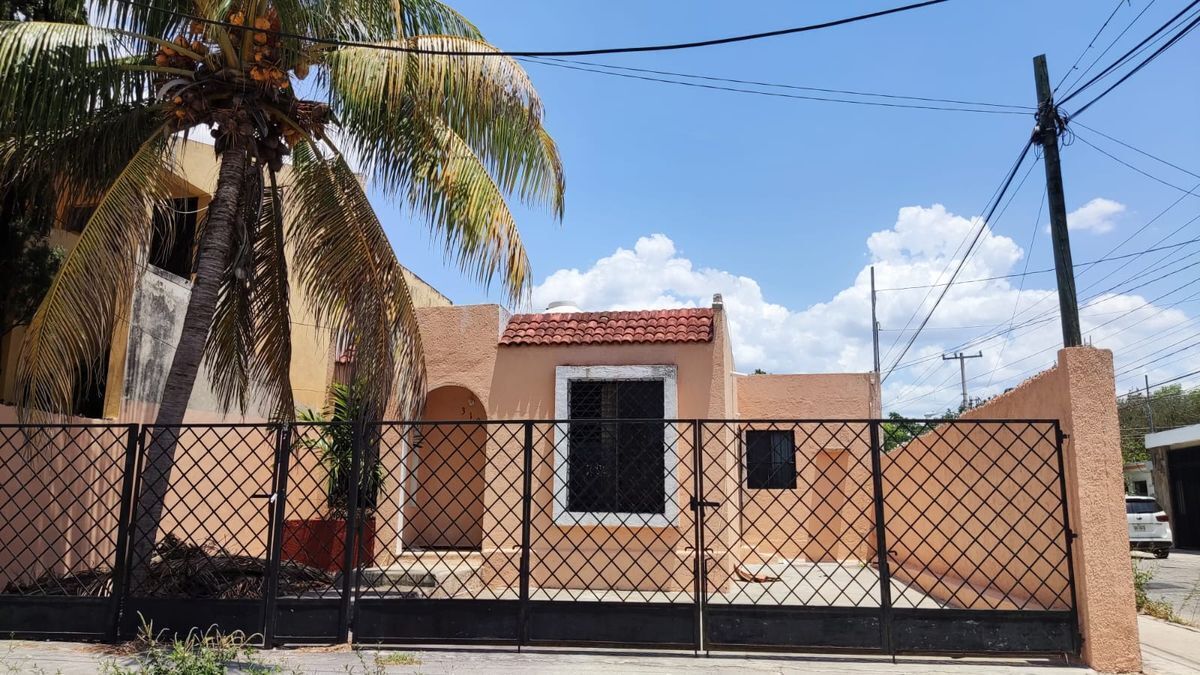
{"x":562,"y":307}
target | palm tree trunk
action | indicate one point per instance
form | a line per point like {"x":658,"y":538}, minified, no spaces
{"x":213,"y":247}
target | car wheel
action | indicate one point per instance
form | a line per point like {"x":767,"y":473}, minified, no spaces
{"x":1161,"y":554}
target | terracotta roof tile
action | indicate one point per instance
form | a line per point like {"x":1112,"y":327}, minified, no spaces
{"x":659,"y":325}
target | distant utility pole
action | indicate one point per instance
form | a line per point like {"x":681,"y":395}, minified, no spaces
{"x":874,"y":323}
{"x":1046,"y":135}
{"x":962,"y":369}
{"x":1149,"y":406}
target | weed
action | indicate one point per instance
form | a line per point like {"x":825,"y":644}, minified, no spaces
{"x":1159,"y":609}
{"x":397,"y":659}
{"x":207,"y":653}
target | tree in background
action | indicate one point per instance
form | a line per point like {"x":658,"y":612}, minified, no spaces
{"x":27,"y":260}
{"x":102,"y":107}
{"x":1172,"y":406}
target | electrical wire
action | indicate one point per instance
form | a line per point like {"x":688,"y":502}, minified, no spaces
{"x":982,"y":227}
{"x":1158,"y":52}
{"x":1111,"y":44}
{"x":567,"y":52}
{"x":1132,"y":167}
{"x":773,"y":94}
{"x":1044,"y":271}
{"x":1090,"y":44}
{"x":758,"y":83}
{"x":1129,"y":54}
{"x":1137,"y":150}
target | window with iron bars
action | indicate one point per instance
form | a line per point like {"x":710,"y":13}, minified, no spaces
{"x":770,"y":460}
{"x":616,"y":466}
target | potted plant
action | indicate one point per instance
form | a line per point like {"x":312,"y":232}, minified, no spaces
{"x":320,"y":541}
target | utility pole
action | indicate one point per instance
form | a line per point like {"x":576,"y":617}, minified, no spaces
{"x":1149,"y":407}
{"x":1046,"y":135}
{"x":962,"y":369}
{"x":874,"y":323}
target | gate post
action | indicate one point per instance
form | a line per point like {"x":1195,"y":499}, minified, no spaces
{"x":124,"y":525}
{"x":1068,"y":535}
{"x":283,"y":460}
{"x":699,"y":568}
{"x":526,"y":515}
{"x":881,"y":549}
{"x":350,"y":538}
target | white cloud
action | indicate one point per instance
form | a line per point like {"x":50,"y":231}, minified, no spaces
{"x":1098,"y":216}
{"x":835,"y":335}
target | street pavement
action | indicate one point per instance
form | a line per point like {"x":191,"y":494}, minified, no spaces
{"x":1169,"y":648}
{"x":75,"y":659}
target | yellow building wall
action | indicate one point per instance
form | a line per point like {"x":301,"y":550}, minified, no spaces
{"x":312,"y":349}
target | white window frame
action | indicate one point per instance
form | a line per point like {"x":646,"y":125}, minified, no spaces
{"x":563,"y":376}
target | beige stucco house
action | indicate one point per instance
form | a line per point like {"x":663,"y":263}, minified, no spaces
{"x":459,"y":481}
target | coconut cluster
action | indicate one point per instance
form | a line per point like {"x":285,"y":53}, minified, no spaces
{"x":228,"y":99}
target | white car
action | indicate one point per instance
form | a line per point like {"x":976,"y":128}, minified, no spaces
{"x":1149,"y":526}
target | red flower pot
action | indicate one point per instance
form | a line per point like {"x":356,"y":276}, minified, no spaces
{"x":321,"y":543}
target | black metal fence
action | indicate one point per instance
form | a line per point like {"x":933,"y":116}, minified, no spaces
{"x":892,"y":536}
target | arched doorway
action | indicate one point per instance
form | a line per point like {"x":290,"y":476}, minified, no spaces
{"x":444,"y":505}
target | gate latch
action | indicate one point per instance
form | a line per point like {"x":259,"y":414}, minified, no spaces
{"x":270,"y":497}
{"x":696,"y":505}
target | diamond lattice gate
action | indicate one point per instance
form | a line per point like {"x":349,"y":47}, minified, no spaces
{"x":614,"y":527}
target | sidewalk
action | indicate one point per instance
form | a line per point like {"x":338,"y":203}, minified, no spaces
{"x":1169,"y":648}
{"x":76,"y":659}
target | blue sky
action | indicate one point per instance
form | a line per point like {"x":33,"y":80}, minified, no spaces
{"x":787,"y":192}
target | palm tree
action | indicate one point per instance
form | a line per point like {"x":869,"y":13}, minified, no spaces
{"x":103,"y":106}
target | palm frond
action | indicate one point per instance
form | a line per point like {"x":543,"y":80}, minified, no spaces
{"x":230,"y":344}
{"x":73,"y":325}
{"x":489,"y":102}
{"x":466,"y":207}
{"x":83,"y":160}
{"x":270,"y":368}
{"x":55,"y":75}
{"x":431,"y":17}
{"x":346,"y":267}
{"x":155,"y":17}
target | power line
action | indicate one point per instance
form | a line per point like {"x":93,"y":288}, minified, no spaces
{"x":997,"y":195}
{"x":1128,"y":55}
{"x":982,"y":227}
{"x":757,"y":83}
{"x":1137,"y":150}
{"x":1111,"y":44}
{"x":773,"y":94}
{"x":1090,"y":44}
{"x":1132,"y":167}
{"x":568,"y":52}
{"x":1044,"y":271}
{"x":1091,"y":301}
{"x":1158,"y":52}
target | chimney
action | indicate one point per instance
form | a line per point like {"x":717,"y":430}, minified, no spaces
{"x":718,"y":302}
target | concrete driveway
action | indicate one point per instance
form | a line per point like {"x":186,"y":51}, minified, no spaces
{"x":1176,"y":580}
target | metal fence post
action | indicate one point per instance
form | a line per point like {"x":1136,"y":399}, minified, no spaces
{"x":699,"y":568}
{"x":885,"y":576}
{"x":1068,"y":535}
{"x":526,"y":526}
{"x":283,"y":460}
{"x":349,"y":538}
{"x":124,"y":524}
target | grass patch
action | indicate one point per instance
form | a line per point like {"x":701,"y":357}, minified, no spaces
{"x":397,"y":659}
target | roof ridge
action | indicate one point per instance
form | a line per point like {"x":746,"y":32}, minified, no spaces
{"x":682,"y":324}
